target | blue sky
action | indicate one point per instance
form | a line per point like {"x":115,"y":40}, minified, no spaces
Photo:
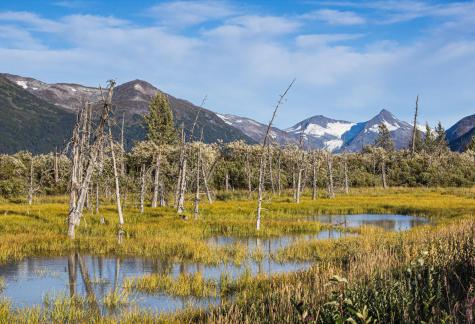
{"x":350,"y":58}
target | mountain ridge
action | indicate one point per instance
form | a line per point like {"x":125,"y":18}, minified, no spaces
{"x":131,"y":100}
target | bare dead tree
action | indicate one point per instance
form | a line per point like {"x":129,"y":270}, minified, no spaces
{"x":142,"y":187}
{"x":300,"y":163}
{"x":77,"y":200}
{"x":205,"y":183}
{"x":345,"y":170}
{"x":331,"y":191}
{"x":116,"y":176}
{"x":414,"y":128}
{"x":262,"y":158}
{"x":122,"y":147}
{"x":279,"y":173}
{"x":383,"y":172}
{"x":249,"y":176}
{"x":180,"y":203}
{"x":97,"y":198}
{"x":226,"y":181}
{"x":31,"y":187}
{"x":271,"y":173}
{"x":314,"y":178}
{"x":156,"y":181}
{"x":56,"y":166}
{"x":196,"y":209}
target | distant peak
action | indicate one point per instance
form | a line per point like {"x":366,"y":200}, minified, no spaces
{"x":385,"y":112}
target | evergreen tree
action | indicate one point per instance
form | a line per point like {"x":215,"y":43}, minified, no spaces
{"x":440,"y":141}
{"x":471,"y":144}
{"x":429,"y":140}
{"x":159,"y":121}
{"x":384,"y":139}
{"x":418,"y":141}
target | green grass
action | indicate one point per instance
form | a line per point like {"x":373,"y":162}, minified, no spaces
{"x":373,"y":261}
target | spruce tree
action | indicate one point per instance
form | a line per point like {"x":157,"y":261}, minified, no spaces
{"x":159,"y":121}
{"x":429,"y":140}
{"x":440,"y":141}
{"x":384,"y":139}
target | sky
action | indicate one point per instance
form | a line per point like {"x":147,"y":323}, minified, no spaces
{"x":350,"y":59}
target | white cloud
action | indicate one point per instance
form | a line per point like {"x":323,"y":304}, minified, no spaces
{"x":32,"y":20}
{"x":254,"y":26}
{"x":335,"y":17}
{"x":14,"y":37}
{"x":245,"y":60}
{"x":189,"y":13}
{"x":313,"y":40}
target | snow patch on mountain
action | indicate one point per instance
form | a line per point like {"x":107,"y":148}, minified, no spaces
{"x":225,"y":119}
{"x":391,"y":127}
{"x":22,"y":84}
{"x":333,"y":145}
{"x":336,"y":129}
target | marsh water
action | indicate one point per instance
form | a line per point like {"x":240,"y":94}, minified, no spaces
{"x":28,"y":282}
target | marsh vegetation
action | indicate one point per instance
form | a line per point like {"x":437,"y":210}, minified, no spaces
{"x":219,"y":268}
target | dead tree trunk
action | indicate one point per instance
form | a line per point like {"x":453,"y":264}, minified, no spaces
{"x":196,"y":210}
{"x":182,"y":180}
{"x":226,"y":181}
{"x":122,"y":147}
{"x":345,"y":168}
{"x":180,"y":167}
{"x":271,"y":173}
{"x":205,"y":182}
{"x":142,"y":188}
{"x":331,"y":191}
{"x":116,"y":177}
{"x":279,"y":175}
{"x":383,"y":173}
{"x":156,"y":181}
{"x":97,"y":197}
{"x":414,"y":128}
{"x":163,"y":202}
{"x":31,"y":188}
{"x":56,"y":167}
{"x":314,"y":179}
{"x":262,"y":159}
{"x":299,"y":185}
{"x":249,"y":177}
{"x":78,"y":201}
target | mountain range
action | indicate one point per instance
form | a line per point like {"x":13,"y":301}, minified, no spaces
{"x":38,"y":117}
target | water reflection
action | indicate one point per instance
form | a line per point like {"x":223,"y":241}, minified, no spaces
{"x":388,"y":222}
{"x":29,"y":281}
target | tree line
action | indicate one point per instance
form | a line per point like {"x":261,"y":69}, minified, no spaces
{"x":169,"y":166}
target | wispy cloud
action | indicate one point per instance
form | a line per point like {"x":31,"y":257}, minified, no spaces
{"x":243,"y":58}
{"x":190,"y":13}
{"x":336,"y":17}
{"x":312,"y":40}
{"x":73,"y":4}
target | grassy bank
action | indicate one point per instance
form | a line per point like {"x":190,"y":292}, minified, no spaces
{"x":426,"y":273}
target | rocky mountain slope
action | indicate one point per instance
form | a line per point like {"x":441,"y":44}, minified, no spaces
{"x":131,"y":101}
{"x":460,"y":134}
{"x":30,"y":123}
{"x":38,"y":116}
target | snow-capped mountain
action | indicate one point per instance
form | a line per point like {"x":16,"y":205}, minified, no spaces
{"x":365,"y":133}
{"x":131,"y":100}
{"x":322,"y":132}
